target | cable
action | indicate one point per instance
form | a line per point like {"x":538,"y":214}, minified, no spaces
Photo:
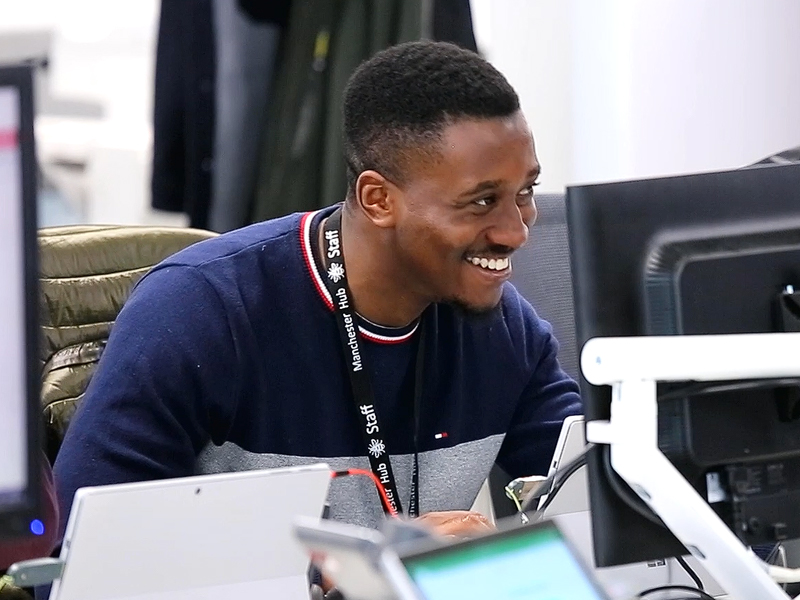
{"x":626,"y":494}
{"x":513,"y":496}
{"x":390,"y":509}
{"x":691,"y":572}
{"x":555,"y":481}
{"x":784,"y":560}
{"x":773,"y":554}
{"x":676,"y":588}
{"x":782,"y":574}
{"x":557,"y":485}
{"x":778,"y":553}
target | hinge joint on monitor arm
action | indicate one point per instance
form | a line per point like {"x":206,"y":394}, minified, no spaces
{"x":599,"y":432}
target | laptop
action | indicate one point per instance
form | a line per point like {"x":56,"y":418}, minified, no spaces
{"x":349,"y":555}
{"x":530,"y":562}
{"x":216,"y":536}
{"x":570,"y":510}
{"x":400,"y":563}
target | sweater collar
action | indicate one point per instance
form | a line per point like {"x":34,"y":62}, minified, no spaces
{"x":309,"y":228}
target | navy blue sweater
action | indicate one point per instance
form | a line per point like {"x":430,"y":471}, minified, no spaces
{"x":227,"y":356}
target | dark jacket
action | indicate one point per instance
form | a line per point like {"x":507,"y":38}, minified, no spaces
{"x":183,"y":110}
{"x":302,"y":165}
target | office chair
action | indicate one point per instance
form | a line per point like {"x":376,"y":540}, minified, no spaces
{"x":86,"y":275}
{"x":542,"y":274}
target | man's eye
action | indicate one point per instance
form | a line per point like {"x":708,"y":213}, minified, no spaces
{"x":528,"y":191}
{"x":488,"y":201}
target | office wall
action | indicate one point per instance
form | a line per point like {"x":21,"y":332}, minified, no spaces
{"x":627,"y":88}
{"x":529,"y":41}
{"x":612,"y":88}
{"x":101,"y":61}
{"x":101,"y":51}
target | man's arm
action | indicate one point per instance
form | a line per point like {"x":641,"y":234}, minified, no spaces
{"x":163,"y":386}
{"x":550,"y":397}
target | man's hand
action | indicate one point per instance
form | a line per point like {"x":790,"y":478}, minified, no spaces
{"x":456,"y":523}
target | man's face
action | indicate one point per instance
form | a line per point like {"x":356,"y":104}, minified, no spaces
{"x":460,"y":217}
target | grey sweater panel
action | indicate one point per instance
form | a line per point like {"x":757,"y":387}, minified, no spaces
{"x":449,"y":478}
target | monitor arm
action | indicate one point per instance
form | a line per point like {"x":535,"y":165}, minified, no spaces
{"x":632,"y":366}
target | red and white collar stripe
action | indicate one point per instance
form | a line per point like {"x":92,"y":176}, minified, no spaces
{"x":311,"y":263}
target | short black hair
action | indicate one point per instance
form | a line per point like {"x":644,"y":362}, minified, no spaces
{"x":401,"y":99}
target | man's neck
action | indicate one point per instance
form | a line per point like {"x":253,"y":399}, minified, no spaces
{"x":378,"y":290}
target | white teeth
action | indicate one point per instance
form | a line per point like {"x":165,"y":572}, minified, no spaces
{"x":493,"y":264}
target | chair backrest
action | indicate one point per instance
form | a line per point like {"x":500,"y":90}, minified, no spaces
{"x":86,"y":275}
{"x":543,"y":275}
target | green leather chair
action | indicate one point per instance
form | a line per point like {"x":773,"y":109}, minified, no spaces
{"x":87,"y":273}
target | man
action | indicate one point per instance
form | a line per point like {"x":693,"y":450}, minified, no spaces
{"x":381,"y":327}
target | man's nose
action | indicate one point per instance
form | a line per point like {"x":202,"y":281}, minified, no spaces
{"x":511,"y":229}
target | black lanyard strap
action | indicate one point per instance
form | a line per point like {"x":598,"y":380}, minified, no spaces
{"x":363,"y":395}
{"x":413,"y":501}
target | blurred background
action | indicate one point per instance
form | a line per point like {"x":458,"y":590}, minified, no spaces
{"x":217,"y":113}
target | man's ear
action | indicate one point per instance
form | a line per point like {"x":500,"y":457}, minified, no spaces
{"x":377,"y":198}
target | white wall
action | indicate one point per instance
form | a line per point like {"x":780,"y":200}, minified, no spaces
{"x":528,"y":40}
{"x":631,"y":88}
{"x":102,"y":50}
{"x":612,"y":88}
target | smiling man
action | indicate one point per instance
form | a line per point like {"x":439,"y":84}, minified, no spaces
{"x":378,"y":334}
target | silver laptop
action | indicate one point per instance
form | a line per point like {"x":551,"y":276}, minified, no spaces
{"x":523,"y":562}
{"x":570,"y":509}
{"x":349,"y":555}
{"x":195,"y":538}
{"x":531,"y":562}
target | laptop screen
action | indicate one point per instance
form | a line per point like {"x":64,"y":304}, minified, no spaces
{"x":530,"y":563}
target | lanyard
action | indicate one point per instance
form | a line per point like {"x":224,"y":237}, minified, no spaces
{"x":363,"y":395}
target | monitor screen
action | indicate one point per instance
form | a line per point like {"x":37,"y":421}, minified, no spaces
{"x":528,"y":563}
{"x":711,"y":253}
{"x":13,"y":442}
{"x":18,"y":305}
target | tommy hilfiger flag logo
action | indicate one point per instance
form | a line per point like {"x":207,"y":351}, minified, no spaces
{"x":336,"y":272}
{"x":376,"y":448}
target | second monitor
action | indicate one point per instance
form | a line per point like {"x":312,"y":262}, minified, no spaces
{"x":19,"y":304}
{"x":712,"y":253}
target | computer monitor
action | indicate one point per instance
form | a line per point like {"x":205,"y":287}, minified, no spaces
{"x":19,"y":360}
{"x":710,"y":253}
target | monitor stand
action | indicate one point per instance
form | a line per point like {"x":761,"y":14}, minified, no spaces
{"x":632,"y":366}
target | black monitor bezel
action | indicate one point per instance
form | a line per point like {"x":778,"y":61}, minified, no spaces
{"x":16,"y":518}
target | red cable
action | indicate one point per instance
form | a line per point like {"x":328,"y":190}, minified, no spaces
{"x":381,"y":491}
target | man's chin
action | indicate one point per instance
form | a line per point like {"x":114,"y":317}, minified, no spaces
{"x":473,"y":308}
